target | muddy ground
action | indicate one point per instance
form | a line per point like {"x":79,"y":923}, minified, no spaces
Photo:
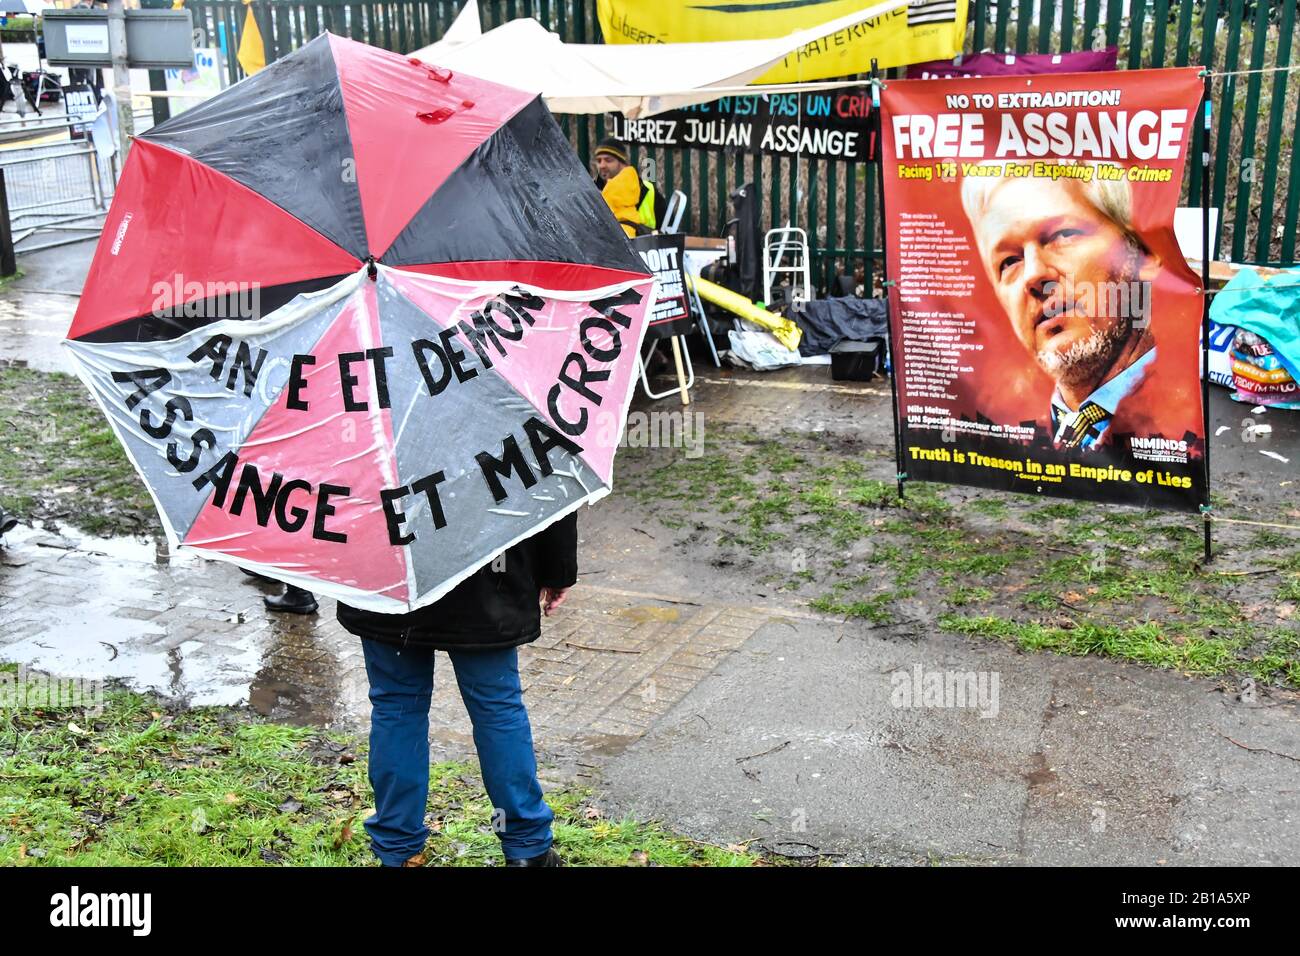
{"x":790,"y":498}
{"x":786,"y":495}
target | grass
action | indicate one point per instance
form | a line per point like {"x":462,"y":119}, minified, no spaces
{"x":1005,"y":567}
{"x":1290,"y":591}
{"x":875,"y":609}
{"x":61,"y":460}
{"x":1146,"y":642}
{"x":142,"y":786}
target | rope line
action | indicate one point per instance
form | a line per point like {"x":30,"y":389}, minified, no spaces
{"x":1266,"y":69}
{"x":1258,"y":524}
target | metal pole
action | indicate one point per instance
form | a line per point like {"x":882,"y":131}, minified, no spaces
{"x":92,"y":159}
{"x":1205,"y":298}
{"x":894,"y":364}
{"x":121,"y":74}
{"x":8,"y":261}
{"x":162,"y":107}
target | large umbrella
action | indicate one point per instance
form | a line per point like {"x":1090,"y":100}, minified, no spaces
{"x":361,"y":324}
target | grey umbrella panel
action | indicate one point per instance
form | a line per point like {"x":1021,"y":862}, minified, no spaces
{"x":223,"y":388}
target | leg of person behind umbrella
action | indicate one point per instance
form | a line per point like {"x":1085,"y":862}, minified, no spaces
{"x":294,"y":600}
{"x":7,"y":522}
{"x":489,"y":685}
{"x":401,"y":689}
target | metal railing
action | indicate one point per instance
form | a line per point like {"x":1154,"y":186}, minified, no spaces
{"x":58,"y":191}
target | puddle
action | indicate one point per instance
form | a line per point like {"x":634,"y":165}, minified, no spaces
{"x":607,"y":745}
{"x":142,"y":549}
{"x":1039,"y":775}
{"x":32,"y":324}
{"x":189,"y":629}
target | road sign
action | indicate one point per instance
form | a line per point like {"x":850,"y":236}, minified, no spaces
{"x":155,"y":39}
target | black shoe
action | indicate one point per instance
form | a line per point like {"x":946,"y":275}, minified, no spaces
{"x":7,"y":522}
{"x":260,"y":578}
{"x":294,"y":601}
{"x":549,"y":858}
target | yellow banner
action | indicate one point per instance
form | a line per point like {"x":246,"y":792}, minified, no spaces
{"x":252,"y":52}
{"x":923,"y":30}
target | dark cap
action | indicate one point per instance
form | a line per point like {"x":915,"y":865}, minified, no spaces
{"x":612,"y":147}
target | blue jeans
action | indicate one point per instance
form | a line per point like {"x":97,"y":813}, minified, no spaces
{"x":401,"y":687}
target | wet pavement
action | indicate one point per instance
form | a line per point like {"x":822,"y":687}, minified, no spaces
{"x":195,"y":631}
{"x":36,"y":309}
{"x":1082,"y":761}
{"x":686,"y":694}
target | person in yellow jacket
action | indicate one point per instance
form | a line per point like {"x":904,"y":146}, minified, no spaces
{"x":638,"y":206}
{"x":621,"y":194}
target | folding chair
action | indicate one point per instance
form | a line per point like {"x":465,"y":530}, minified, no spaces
{"x":777,"y":245}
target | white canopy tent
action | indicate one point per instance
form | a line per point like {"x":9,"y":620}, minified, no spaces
{"x":634,"y":79}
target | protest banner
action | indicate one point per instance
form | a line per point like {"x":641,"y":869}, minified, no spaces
{"x":825,"y":125}
{"x":665,"y":256}
{"x":80,"y":106}
{"x":1045,"y":324}
{"x":1016,"y":64}
{"x":910,"y":33}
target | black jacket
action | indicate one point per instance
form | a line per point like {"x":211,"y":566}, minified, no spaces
{"x":489,"y":609}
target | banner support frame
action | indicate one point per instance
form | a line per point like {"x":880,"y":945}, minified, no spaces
{"x":877,"y":157}
{"x":1206,"y":111}
{"x":682,"y":357}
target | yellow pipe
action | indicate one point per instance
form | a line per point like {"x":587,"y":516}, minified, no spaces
{"x":786,"y":332}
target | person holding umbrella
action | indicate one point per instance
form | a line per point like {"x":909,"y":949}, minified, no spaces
{"x":431,"y":383}
{"x":480,"y":624}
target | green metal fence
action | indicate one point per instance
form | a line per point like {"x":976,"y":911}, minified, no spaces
{"x":1256,"y":180}
{"x":1256,"y":177}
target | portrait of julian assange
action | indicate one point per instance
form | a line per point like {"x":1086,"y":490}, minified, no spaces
{"x":1076,"y":284}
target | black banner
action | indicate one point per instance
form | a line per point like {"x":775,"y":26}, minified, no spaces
{"x":829,"y":125}
{"x":665,"y":257}
{"x":81,"y":106}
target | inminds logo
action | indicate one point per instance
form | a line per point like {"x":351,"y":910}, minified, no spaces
{"x":121,"y":233}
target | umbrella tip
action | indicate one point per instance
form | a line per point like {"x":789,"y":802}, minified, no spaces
{"x":371,"y":269}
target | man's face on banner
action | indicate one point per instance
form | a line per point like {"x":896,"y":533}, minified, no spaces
{"x":1052,"y":256}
